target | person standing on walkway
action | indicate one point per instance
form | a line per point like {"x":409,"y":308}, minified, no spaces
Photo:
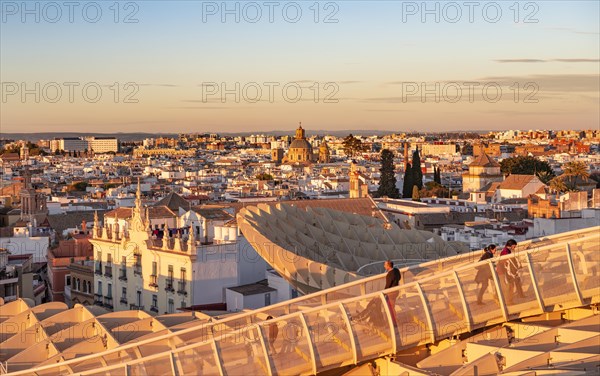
{"x":484,"y":273}
{"x":392,"y":279}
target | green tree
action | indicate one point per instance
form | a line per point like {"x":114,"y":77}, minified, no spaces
{"x":353,"y":145}
{"x":264,"y":176}
{"x":387,"y":180}
{"x":79,"y":186}
{"x":433,"y":189}
{"x":527,"y":165}
{"x":407,"y":187}
{"x":417,"y":178}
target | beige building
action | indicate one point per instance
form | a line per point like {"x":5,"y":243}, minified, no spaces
{"x":482,"y":171}
{"x":162,"y":270}
{"x":438,"y":149}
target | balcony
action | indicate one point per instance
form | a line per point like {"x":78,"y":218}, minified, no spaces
{"x":181,"y":288}
{"x":98,"y":299}
{"x":98,"y":270}
{"x":136,"y":307}
{"x":153,"y":280}
{"x":154,"y":309}
{"x":108,"y":302}
{"x":108,"y":271}
{"x":123,"y":274}
{"x":169,"y":287}
{"x":123,"y":300}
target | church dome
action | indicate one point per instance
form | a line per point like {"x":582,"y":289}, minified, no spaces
{"x":300,"y":144}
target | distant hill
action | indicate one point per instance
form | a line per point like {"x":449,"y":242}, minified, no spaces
{"x":138,"y":136}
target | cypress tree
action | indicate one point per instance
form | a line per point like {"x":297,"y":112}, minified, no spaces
{"x":417,"y":174}
{"x":437,"y":177}
{"x":408,"y":182}
{"x":387,"y":180}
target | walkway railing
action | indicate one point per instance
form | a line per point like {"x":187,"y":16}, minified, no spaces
{"x":327,"y":330}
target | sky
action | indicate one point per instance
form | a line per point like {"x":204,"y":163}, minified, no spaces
{"x":204,"y":66}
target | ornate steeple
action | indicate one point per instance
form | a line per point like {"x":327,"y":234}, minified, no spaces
{"x":165,"y":239}
{"x":300,"y":132}
{"x":192,"y":239}
{"x":96,"y":225}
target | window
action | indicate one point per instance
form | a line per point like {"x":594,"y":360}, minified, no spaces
{"x":99,"y":262}
{"x":109,"y":290}
{"x":124,"y":293}
{"x":139,"y":298}
{"x":154,"y":306}
{"x":169,"y":282}
{"x":153,"y":276}
{"x":183,"y":304}
{"x":267,"y":299}
{"x":99,"y":292}
{"x":171,"y":306}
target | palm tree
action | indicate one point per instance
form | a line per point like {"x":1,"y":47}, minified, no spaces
{"x":573,"y":171}
{"x":557,"y":185}
{"x":576,"y":169}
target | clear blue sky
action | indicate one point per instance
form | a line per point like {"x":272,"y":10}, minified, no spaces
{"x":373,"y":56}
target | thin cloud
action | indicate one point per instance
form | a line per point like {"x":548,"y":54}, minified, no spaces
{"x":200,"y":108}
{"x":520,"y":61}
{"x":577,"y":60}
{"x":570,"y":30}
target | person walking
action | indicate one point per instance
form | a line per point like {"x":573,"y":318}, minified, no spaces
{"x":484,"y":273}
{"x":508,"y":273}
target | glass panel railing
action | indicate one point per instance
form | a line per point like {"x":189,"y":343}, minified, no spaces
{"x":58,"y":370}
{"x":586,"y":264}
{"x":330,"y":337}
{"x":241,"y":353}
{"x":288,"y":345}
{"x":199,"y":360}
{"x":116,"y":371}
{"x":445,"y":305}
{"x":411,"y":317}
{"x":553,"y":275}
{"x":371,"y":327}
{"x":155,"y":366}
{"x":480,"y":294}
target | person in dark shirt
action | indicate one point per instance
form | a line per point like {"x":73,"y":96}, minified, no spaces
{"x":484,"y":273}
{"x":392,"y":279}
{"x":373,"y":312}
